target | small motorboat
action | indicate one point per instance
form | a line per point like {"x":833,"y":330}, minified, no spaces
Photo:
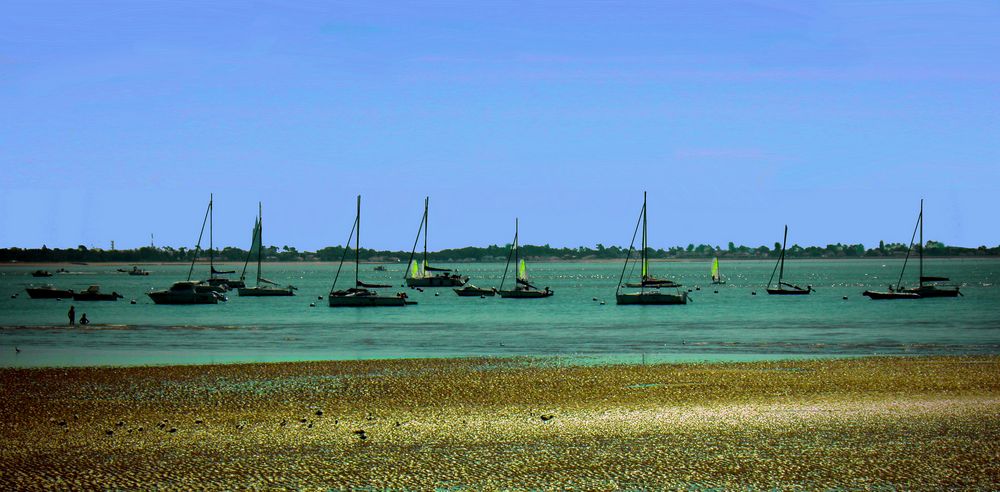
{"x":472,"y":291}
{"x":186,"y":292}
{"x":873,"y":295}
{"x":93,"y":293}
{"x":138,"y":271}
{"x":49,"y":292}
{"x":41,"y":273}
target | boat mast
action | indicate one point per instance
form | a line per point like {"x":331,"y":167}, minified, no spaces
{"x":781,"y":272}
{"x":921,"y":278}
{"x":517,"y":262}
{"x":197,"y":247}
{"x":253,"y":242}
{"x":260,"y":238}
{"x":211,"y":243}
{"x":426,"y":206}
{"x":645,"y":258}
{"x":357,"y":243}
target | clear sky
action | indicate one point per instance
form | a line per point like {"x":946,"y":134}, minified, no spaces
{"x":117,"y":119}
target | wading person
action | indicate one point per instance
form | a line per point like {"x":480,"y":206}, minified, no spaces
{"x":72,"y":316}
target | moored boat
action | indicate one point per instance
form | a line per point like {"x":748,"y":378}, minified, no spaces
{"x":424,"y":275}
{"x":523,"y":289}
{"x":361,"y":294}
{"x":93,"y":293}
{"x":927,"y":286}
{"x":41,"y":273}
{"x":264,"y":287}
{"x":185,"y":292}
{"x":470,"y":290}
{"x":652,"y":296}
{"x":783,"y":288}
{"x":48,"y":292}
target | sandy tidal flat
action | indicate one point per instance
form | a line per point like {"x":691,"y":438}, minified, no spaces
{"x":910,"y":423}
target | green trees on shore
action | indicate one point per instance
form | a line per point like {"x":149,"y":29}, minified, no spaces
{"x":482,"y":254}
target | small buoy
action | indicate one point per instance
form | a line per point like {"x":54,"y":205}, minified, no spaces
{"x":132,"y":301}
{"x":845,"y":298}
{"x":753,"y":293}
{"x":595,"y":299}
{"x":13,"y":296}
{"x":59,"y":298}
{"x":320,"y":298}
{"x":602,"y":303}
{"x":437,"y":294}
{"x":697,"y":288}
{"x":716,"y":292}
{"x":482,"y":297}
{"x":689,"y":290}
{"x":312,"y":304}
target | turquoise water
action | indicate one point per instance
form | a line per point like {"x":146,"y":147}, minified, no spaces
{"x":732,"y":324}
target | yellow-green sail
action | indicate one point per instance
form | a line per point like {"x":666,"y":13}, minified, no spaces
{"x":645,"y":268}
{"x":522,"y":271}
{"x":414,"y":270}
{"x":715,"y":269}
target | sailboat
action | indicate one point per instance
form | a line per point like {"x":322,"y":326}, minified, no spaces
{"x":360,"y":295}
{"x":424,"y":275}
{"x":522,"y":285}
{"x":653,"y":294}
{"x":926,"y":285}
{"x":782,"y":287}
{"x":264,"y":287}
{"x":215,"y":277}
{"x":716,"y":275}
{"x":188,"y":291}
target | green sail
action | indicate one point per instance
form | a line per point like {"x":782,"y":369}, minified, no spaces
{"x":715,"y":269}
{"x":645,"y":267}
{"x":414,"y":270}
{"x":522,"y":271}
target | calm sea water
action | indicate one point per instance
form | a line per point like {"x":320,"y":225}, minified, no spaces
{"x":730,"y":324}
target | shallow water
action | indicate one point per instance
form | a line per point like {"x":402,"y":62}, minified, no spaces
{"x":730,"y":324}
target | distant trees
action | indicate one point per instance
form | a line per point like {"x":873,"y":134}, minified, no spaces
{"x":492,"y":252}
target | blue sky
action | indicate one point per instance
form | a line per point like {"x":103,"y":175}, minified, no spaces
{"x":117,"y":119}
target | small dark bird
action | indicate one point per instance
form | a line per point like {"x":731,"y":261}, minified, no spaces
{"x":310,"y":426}
{"x":139,"y":429}
{"x":546,"y":418}
{"x":319,"y":413}
{"x":361,"y":434}
{"x":199,"y":421}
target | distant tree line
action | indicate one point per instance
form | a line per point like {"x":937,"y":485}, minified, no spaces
{"x":481,"y":254}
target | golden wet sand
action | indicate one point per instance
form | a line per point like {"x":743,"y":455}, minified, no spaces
{"x":475,"y":424}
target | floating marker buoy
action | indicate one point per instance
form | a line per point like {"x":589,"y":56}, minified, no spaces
{"x":312,"y":304}
{"x":753,"y":293}
{"x":697,"y":288}
{"x":716,"y":292}
{"x":689,"y":290}
{"x":482,"y":297}
{"x":845,"y":298}
{"x":594,"y":299}
{"x":437,"y":294}
{"x":132,"y":301}
{"x":320,"y":298}
{"x":602,"y":303}
{"x":13,"y":296}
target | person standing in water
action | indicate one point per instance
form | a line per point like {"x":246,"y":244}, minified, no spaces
{"x":84,"y":320}
{"x":72,"y":316}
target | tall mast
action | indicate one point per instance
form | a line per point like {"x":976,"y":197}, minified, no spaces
{"x":426,"y":206}
{"x":357,"y":244}
{"x":645,"y":258}
{"x":211,"y":244}
{"x":517,"y":254}
{"x":781,"y":273}
{"x":260,"y":238}
{"x":921,"y":242}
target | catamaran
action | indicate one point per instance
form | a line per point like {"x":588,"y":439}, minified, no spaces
{"x":716,"y":274}
{"x":649,"y":286}
{"x":523,"y":289}
{"x":782,"y":287}
{"x":926,"y":285}
{"x":264,"y":287}
{"x":360,"y":295}
{"x":424,"y":275}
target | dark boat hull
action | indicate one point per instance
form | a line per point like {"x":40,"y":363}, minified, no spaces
{"x":788,"y":292}
{"x":437,"y":281}
{"x":49,"y":293}
{"x":525,"y":294}
{"x":878,"y":296}
{"x":264,"y":292}
{"x":651,"y":298}
{"x":475,"y":292}
{"x":88,"y":296}
{"x":367,"y":301}
{"x":166,"y":297}
{"x":931,"y":291}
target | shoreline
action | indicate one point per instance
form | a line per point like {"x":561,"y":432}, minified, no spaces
{"x":489,"y":423}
